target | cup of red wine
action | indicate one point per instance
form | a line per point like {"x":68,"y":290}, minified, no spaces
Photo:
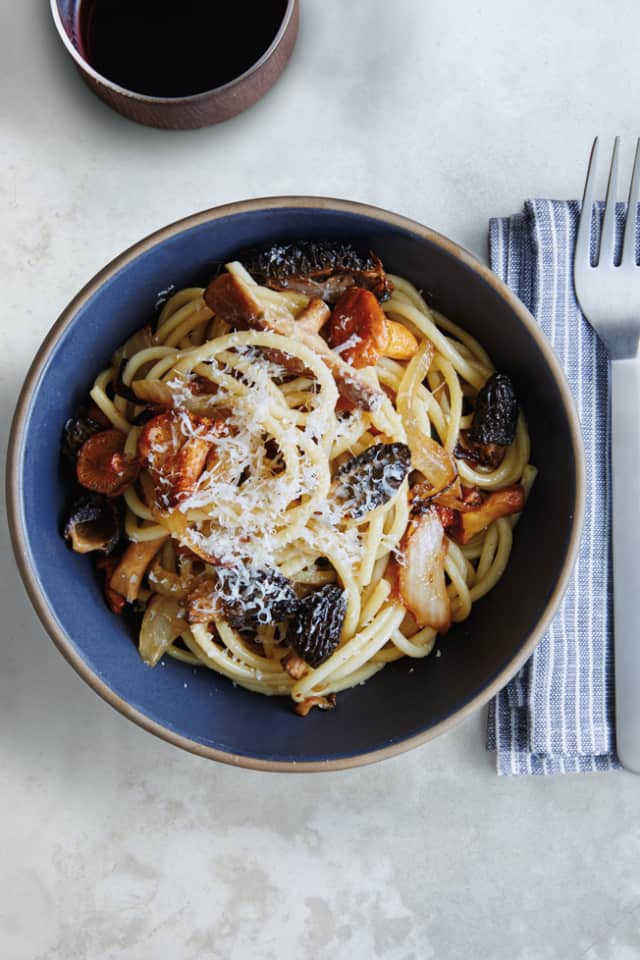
{"x":178,"y":65}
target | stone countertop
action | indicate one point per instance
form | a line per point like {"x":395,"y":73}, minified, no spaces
{"x":114,"y":844}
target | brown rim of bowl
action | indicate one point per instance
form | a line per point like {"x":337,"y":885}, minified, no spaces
{"x":14,"y":500}
{"x":99,"y":78}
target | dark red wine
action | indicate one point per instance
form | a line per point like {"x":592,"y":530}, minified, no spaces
{"x":175,"y":49}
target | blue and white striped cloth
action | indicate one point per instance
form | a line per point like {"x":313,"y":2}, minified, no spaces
{"x":556,"y":715}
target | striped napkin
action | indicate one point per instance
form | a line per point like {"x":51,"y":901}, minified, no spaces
{"x":556,"y":715}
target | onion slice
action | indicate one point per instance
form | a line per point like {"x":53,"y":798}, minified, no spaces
{"x":160,"y":626}
{"x":435,"y":463}
{"x":419,"y":572}
{"x":153,"y":391}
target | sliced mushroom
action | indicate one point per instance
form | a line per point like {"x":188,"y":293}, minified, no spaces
{"x":126,"y":579}
{"x":327,"y":702}
{"x":192,"y":392}
{"x":501,"y":503}
{"x":174,"y":447}
{"x":94,"y":523}
{"x":115,"y":602}
{"x":402,"y":343}
{"x":233,"y":301}
{"x":294,"y":665}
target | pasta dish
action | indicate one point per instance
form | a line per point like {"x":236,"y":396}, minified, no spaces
{"x":302,"y":473}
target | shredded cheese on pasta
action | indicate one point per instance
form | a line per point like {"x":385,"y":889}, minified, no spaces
{"x":268,"y":498}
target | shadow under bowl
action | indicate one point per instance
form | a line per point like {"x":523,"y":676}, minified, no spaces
{"x":180,"y":112}
{"x":409,"y":701}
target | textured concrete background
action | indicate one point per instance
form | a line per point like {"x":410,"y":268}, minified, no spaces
{"x":115,"y":845}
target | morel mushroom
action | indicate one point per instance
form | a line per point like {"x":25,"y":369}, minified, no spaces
{"x":318,"y":268}
{"x":246,"y":596}
{"x":372,"y":478}
{"x":314,"y":632}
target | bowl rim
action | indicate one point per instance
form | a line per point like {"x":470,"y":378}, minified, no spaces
{"x":192,"y":98}
{"x":14,"y":481}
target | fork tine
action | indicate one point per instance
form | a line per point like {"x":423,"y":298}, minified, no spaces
{"x":607,"y":244}
{"x":629,"y":246}
{"x":583,"y":239}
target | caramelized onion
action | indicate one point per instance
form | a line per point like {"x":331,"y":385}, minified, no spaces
{"x":435,"y":463}
{"x":156,"y":392}
{"x":173,"y":585}
{"x":139,"y":340}
{"x":161,"y":625}
{"x":420,"y":575}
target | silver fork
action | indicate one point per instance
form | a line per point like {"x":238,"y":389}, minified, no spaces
{"x":609,"y":297}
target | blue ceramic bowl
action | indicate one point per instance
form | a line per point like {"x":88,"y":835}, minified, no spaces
{"x":409,"y":701}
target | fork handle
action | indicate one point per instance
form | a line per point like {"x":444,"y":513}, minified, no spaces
{"x":625,"y":490}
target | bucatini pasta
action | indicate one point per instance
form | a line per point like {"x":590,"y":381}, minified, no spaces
{"x":299,"y":480}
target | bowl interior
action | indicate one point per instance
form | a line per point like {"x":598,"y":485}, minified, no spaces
{"x":407,"y":698}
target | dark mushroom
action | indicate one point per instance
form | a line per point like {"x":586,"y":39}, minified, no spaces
{"x":245,"y":595}
{"x":94,"y":524}
{"x":77,"y":431}
{"x":314,"y":631}
{"x":493,"y":428}
{"x":318,"y":268}
{"x":479,"y":454}
{"x":372,"y":478}
{"x":496,"y":414}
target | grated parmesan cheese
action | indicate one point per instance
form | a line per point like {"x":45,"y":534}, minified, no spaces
{"x":350,"y":342}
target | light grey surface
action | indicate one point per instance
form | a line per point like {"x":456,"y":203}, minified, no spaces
{"x":113,"y":844}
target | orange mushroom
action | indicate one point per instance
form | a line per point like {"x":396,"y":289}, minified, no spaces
{"x":358,"y":328}
{"x":102,"y":465}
